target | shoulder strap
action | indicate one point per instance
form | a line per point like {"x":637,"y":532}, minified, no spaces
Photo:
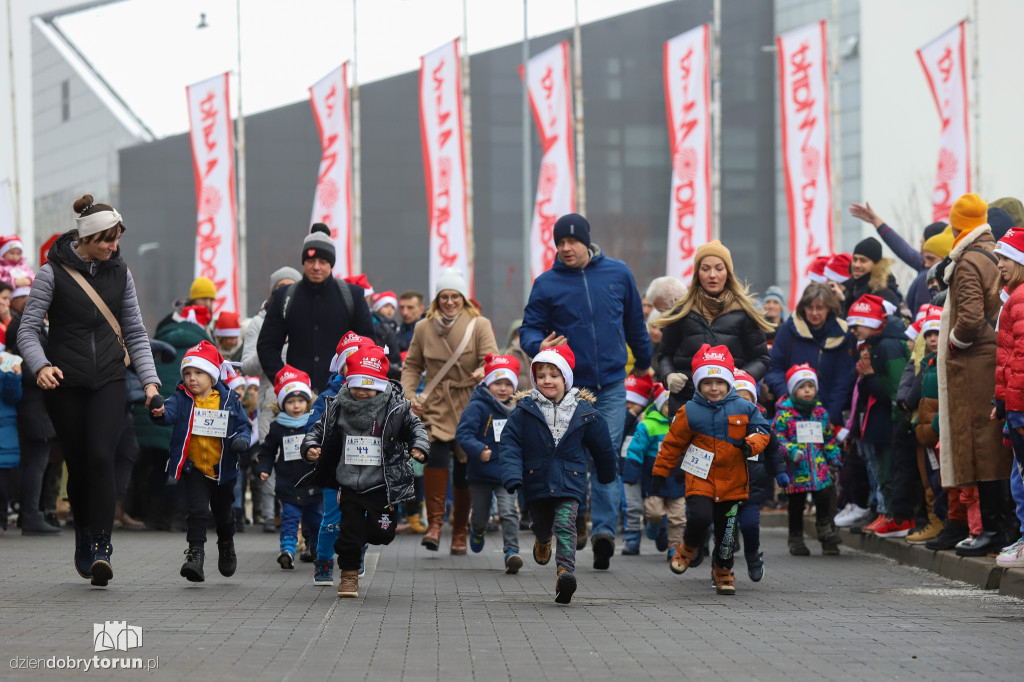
{"x":104,"y":310}
{"x":978,"y":249}
{"x":346,"y":298}
{"x":451,"y":361}
{"x":287,"y":301}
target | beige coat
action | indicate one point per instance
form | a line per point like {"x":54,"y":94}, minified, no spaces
{"x":428,"y":351}
{"x":970,"y":444}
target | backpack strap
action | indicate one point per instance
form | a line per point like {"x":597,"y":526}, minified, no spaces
{"x":346,"y":299}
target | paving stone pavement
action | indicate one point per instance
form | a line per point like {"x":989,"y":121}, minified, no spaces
{"x":430,"y":616}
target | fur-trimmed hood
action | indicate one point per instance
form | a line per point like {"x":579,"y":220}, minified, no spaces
{"x":881,"y":276}
{"x":837,"y":329}
{"x":584,"y":395}
{"x":969,"y":240}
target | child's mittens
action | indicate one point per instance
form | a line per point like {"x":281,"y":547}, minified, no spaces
{"x":799,"y":455}
{"x":657,"y":484}
{"x":782,"y":479}
{"x":745,"y":448}
{"x":239,"y":445}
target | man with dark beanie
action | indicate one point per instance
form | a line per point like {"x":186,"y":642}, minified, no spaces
{"x":313,"y":314}
{"x":592,"y":303}
{"x":870,"y":274}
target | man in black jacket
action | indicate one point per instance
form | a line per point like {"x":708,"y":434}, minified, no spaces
{"x":312,"y":315}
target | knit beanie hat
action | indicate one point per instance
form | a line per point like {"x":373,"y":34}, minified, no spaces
{"x":572,"y":225}
{"x":1000,"y":221}
{"x":838,"y":268}
{"x":934,"y":229}
{"x":816,"y":271}
{"x":291,"y":381}
{"x":318,"y":244}
{"x":712,"y":248}
{"x":196,"y":314}
{"x":870,"y":248}
{"x":638,"y":389}
{"x":968,"y":212}
{"x":231,"y":376}
{"x":713,"y":362}
{"x":227,"y":325}
{"x":10,"y":242}
{"x":798,"y":374}
{"x":1012,"y":245}
{"x":202,"y":287}
{"x":362,"y":282}
{"x":561,"y":357}
{"x":284,"y":273}
{"x":659,"y":396}
{"x":775,"y":292}
{"x":452,"y":278}
{"x":384,"y":298}
{"x":745,"y":382}
{"x":205,"y":357}
{"x":367,"y":368}
{"x":940,"y":244}
{"x":348,"y":345}
{"x":1011,"y":205}
{"x":501,"y":367}
{"x":869,"y":311}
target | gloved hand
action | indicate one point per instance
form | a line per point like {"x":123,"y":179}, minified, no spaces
{"x":514,"y":488}
{"x":782,"y":479}
{"x":799,"y":455}
{"x":676,"y":381}
{"x":746,"y":449}
{"x":657,"y":484}
{"x":239,"y":445}
{"x":171,"y":480}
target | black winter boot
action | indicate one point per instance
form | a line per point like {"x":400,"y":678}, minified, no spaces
{"x":83,"y":552}
{"x":239,"y":520}
{"x":101,"y":572}
{"x":192,"y":569}
{"x":797,"y":546}
{"x":226,"y":561}
{"x":829,"y":539}
{"x":952,"y":533}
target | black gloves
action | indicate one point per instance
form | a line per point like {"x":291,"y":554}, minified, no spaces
{"x":239,"y":445}
{"x":745,"y":448}
{"x":657,"y":484}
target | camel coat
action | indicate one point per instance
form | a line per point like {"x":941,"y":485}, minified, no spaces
{"x":970,"y":444}
{"x":428,"y":351}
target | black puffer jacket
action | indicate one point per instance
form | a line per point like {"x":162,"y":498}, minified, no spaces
{"x":735,"y":330}
{"x":33,"y":420}
{"x":402,"y":431}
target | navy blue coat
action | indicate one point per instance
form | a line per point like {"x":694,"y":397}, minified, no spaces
{"x":10,"y":395}
{"x":530,"y":458}
{"x":476,"y":432}
{"x":768,"y":464}
{"x":333,"y":386}
{"x":288,"y":473}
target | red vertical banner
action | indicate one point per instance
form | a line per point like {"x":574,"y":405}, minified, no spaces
{"x":806,"y":147}
{"x":444,"y":161}
{"x":332,"y":201}
{"x":945,"y":66}
{"x":547,"y":83}
{"x":213,"y":159}
{"x":688,"y":105}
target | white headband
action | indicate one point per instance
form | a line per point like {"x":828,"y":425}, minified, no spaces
{"x":95,"y":223}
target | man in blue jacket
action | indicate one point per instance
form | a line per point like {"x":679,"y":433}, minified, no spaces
{"x":591,"y":301}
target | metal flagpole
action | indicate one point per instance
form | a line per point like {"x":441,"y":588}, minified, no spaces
{"x":14,"y":128}
{"x":468,"y":143}
{"x":976,"y":108}
{"x":357,"y":186}
{"x":527,"y":163}
{"x":581,"y":176}
{"x":716,"y":119}
{"x":836,"y":158}
{"x":243,"y":269}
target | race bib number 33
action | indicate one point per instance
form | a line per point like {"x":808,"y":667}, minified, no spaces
{"x":697,"y":461}
{"x":212,"y":423}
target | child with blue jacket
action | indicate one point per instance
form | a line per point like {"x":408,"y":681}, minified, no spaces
{"x":210,"y":429}
{"x":544,"y":452}
{"x":280,"y":452}
{"x":10,"y":455}
{"x":479,"y":435}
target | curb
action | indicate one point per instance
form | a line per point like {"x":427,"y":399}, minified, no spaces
{"x":980,"y":571}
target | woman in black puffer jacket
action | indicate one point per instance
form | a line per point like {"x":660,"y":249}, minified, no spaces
{"x":716,"y":310}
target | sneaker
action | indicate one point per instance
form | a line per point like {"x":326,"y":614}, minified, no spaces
{"x":513,"y":562}
{"x":926,"y":533}
{"x":348,"y":586}
{"x":651,"y":530}
{"x":843,"y":513}
{"x":542,"y":552}
{"x":476,"y":541}
{"x":853,"y":515}
{"x":755,"y":568}
{"x":565,"y":586}
{"x":894,"y":529}
{"x":631,"y":543}
{"x":1012,"y":556}
{"x":323,"y":572}
{"x":880,"y":521}
{"x":661,"y":542}
{"x":286,"y":559}
{"x":603,"y":545}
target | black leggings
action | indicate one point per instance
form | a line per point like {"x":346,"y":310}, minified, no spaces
{"x":88,"y":424}
{"x":441,"y":453}
{"x":701,"y":512}
{"x":822,"y":508}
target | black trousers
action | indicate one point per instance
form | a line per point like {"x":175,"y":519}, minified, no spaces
{"x":822,"y":509}
{"x":88,"y":424}
{"x":441,"y":453}
{"x":5,"y":492}
{"x":35,"y":455}
{"x":701,"y":512}
{"x":125,"y":457}
{"x":202,"y":495}
{"x":366,"y":518}
{"x":907,"y":492}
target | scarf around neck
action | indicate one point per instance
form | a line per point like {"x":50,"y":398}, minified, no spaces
{"x":804,"y":407}
{"x":292,"y":422}
{"x":361,"y":414}
{"x":443,"y":325}
{"x":713,"y":306}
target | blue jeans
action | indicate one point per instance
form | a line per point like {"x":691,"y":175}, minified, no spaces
{"x":605,"y":498}
{"x":1016,"y":483}
{"x":311,"y":512}
{"x":329,"y":526}
{"x":870,"y":455}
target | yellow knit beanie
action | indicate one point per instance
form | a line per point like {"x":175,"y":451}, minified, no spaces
{"x":940,"y":244}
{"x":968,"y":212}
{"x":712,"y":248}
{"x":202,"y":287}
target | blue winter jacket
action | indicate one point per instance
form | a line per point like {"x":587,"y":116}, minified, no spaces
{"x":10,"y":396}
{"x":643,"y":450}
{"x":288,"y":474}
{"x":334,"y":385}
{"x":598,"y":310}
{"x":178,"y":413}
{"x":530,"y":458}
{"x":476,"y":432}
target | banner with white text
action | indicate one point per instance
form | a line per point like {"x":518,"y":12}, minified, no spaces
{"x":547,"y":82}
{"x":213,"y":159}
{"x":688,"y":104}
{"x":806,"y":147}
{"x":332,"y":202}
{"x":945,"y":65}
{"x":444,"y":161}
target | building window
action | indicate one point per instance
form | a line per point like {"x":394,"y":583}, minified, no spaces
{"x":65,"y":100}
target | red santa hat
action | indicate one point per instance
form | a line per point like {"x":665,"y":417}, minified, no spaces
{"x":638,"y":389}
{"x":816,"y":271}
{"x":561,"y":357}
{"x":914,"y":330}
{"x":196,"y":314}
{"x":933,"y":321}
{"x":361,"y":282}
{"x":501,"y":367}
{"x":252,"y":381}
{"x":10,"y":242}
{"x":231,"y":376}
{"x":869,"y":311}
{"x":838,"y":268}
{"x":290,"y":381}
{"x":713,"y":362}
{"x":659,"y":396}
{"x":367,"y":368}
{"x":205,"y":357}
{"x":384,"y":298}
{"x":798,"y":374}
{"x":228,"y":325}
{"x":1010,"y":246}
{"x":745,"y":382}
{"x":348,"y":345}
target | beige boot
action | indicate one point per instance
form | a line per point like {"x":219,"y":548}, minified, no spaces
{"x":349,"y":584}
{"x":681,"y":558}
{"x":725,"y":583}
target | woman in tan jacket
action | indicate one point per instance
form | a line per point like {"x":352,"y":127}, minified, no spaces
{"x":451,"y":324}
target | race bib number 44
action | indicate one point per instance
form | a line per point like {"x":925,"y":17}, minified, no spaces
{"x":212,"y":423}
{"x":809,"y":432}
{"x":362,"y":450}
{"x":697,"y":461}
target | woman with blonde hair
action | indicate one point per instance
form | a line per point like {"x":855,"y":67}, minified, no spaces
{"x":449,"y":345}
{"x":716,"y":310}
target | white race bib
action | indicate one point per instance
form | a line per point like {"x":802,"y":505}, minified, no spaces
{"x":499,"y":426}
{"x":932,"y":459}
{"x":209,"y":423}
{"x":362,"y":450}
{"x":290,"y":447}
{"x":809,"y":432}
{"x":697,"y":461}
{"x":625,"y":446}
